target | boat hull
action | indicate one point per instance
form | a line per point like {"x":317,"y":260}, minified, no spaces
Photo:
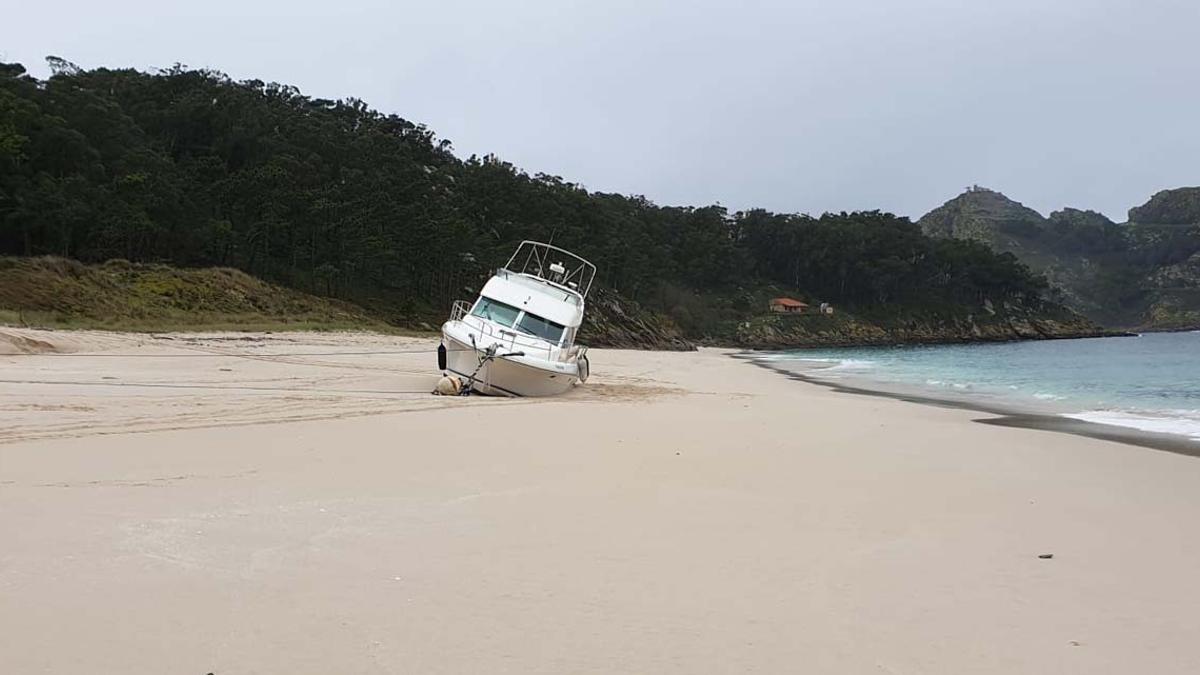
{"x":507,"y":376}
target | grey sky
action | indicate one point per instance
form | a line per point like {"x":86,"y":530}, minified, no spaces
{"x":794,"y":106}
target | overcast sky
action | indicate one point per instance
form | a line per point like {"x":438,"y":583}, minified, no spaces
{"x":793,"y":106}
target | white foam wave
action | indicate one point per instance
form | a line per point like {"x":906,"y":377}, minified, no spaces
{"x":1180,"y":422}
{"x":952,"y":385}
{"x":1048,"y":397}
{"x":828,"y":363}
{"x":853,"y":364}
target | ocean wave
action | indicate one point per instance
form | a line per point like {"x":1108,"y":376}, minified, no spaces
{"x":944,"y":384}
{"x":835,"y":363}
{"x":1179,"y":422}
{"x":1043,"y":396}
{"x":853,"y":364}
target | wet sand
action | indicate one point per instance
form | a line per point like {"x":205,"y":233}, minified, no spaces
{"x":296,"y":503}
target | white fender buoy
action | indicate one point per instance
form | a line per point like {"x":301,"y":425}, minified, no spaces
{"x":448,"y":385}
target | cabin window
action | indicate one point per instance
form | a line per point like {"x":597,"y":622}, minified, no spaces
{"x":492,"y":310}
{"x":543,"y":328}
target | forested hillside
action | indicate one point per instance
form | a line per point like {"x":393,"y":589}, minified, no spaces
{"x":1144,"y":273}
{"x":191,"y":168}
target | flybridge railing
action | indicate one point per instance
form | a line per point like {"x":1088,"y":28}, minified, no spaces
{"x":556,"y":265}
{"x":459,"y":309}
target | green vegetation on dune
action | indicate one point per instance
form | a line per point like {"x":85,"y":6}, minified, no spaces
{"x":331,"y":198}
{"x":59,"y":293}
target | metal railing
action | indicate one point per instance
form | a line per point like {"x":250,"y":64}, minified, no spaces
{"x":553,"y":264}
{"x":459,"y":309}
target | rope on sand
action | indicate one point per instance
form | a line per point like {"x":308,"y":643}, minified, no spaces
{"x":217,"y":355}
{"x":165,"y":385}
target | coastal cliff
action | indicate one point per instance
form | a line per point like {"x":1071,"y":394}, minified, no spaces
{"x":613,"y":321}
{"x":1004,"y":325}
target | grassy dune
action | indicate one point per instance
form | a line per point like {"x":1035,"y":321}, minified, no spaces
{"x":49,"y":292}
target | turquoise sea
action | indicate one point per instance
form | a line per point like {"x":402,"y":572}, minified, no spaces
{"x":1149,"y":382}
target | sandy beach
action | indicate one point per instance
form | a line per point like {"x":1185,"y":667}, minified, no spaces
{"x":298,"y":503}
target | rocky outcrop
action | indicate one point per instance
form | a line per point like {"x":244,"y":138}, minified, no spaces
{"x":1180,"y":206}
{"x":1183,"y":275}
{"x":1004,"y":324}
{"x":1172,"y":312}
{"x":1072,"y":218}
{"x":1176,"y":302}
{"x":614,"y":321}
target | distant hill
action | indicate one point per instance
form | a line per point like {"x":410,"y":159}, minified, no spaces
{"x":1144,"y":273}
{"x":986,"y":216}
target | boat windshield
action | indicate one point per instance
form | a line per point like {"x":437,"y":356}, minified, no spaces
{"x":492,"y":310}
{"x":543,"y":328}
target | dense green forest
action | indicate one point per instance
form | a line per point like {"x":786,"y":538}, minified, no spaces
{"x":192,"y":168}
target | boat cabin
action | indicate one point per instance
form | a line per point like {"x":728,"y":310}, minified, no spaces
{"x":530,"y":307}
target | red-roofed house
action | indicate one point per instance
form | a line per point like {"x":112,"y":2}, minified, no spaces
{"x":787,"y":306}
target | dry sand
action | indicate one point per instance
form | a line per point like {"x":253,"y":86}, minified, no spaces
{"x":260,"y":505}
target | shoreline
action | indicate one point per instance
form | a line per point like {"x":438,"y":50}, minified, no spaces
{"x":1011,"y":415}
{"x":912,"y":342}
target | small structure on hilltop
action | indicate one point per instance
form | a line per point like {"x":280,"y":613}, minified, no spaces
{"x":787,"y":306}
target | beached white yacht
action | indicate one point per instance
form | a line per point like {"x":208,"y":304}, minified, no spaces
{"x":518,"y":338}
